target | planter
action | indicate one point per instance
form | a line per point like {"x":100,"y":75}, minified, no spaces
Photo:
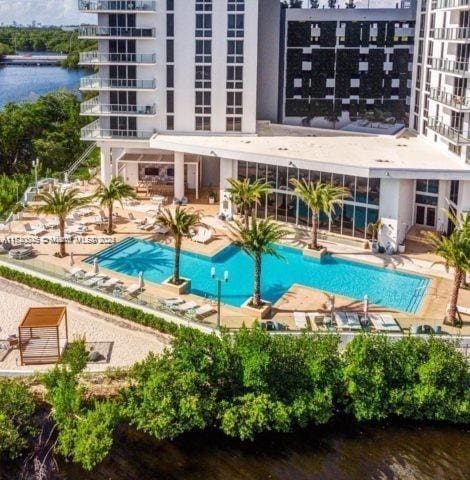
{"x":178,"y":289}
{"x":401,"y":248}
{"x":375,"y":247}
{"x":319,"y":254}
{"x":258,"y":313}
{"x":211,"y":200}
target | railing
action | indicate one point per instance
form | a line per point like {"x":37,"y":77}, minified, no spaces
{"x":450,"y":66}
{"x":450,"y":133}
{"x":443,"y":4}
{"x":455,"y":101}
{"x":94,"y":107}
{"x":92,"y":58}
{"x":96,"y":31}
{"x":117,"y":5}
{"x":451,"y":33}
{"x":93,"y":132}
{"x":73,"y":168}
{"x":93,"y":82}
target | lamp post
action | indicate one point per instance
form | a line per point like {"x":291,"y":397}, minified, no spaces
{"x":219,"y":290}
{"x":36,"y":165}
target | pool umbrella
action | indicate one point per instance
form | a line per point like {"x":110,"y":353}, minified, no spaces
{"x":366,"y":305}
{"x":96,"y":267}
{"x":141,"y":281}
{"x":72,"y":260}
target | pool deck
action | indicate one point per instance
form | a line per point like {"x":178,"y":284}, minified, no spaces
{"x":298,"y":298}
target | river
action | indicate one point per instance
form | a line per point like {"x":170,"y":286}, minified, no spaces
{"x":27,"y":83}
{"x":411,"y":452}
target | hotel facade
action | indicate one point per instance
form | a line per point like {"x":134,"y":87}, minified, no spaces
{"x":192,"y":93}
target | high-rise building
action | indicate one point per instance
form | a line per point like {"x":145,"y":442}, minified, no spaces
{"x":441,"y":81}
{"x":341,"y":63}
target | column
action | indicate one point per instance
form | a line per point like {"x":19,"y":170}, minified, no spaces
{"x":179,"y":175}
{"x":106,"y":167}
{"x":227,"y":168}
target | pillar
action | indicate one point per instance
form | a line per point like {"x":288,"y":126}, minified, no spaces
{"x":227,"y":169}
{"x":179,"y":175}
{"x":106,"y":166}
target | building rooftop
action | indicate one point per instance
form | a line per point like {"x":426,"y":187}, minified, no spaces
{"x":381,"y":156}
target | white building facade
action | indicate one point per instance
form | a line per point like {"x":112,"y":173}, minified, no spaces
{"x":189,"y":93}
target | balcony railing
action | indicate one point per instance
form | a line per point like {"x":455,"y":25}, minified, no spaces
{"x":94,"y":107}
{"x":96,"y":31}
{"x":451,"y":33}
{"x":117,"y":5}
{"x":450,"y":66}
{"x":97,"y":58}
{"x":452,"y":134}
{"x":457,"y":102}
{"x":93,"y":82}
{"x":93,"y":132}
{"x":448,"y":4}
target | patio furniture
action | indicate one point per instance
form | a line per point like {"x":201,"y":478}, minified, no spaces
{"x":43,"y":335}
{"x":76,"y":272}
{"x":95,"y":280}
{"x":185,"y":307}
{"x":204,"y":311}
{"x":203,"y":235}
{"x":37,"y":231}
{"x":49,"y":224}
{"x":109,"y":284}
{"x":321,"y":321}
{"x":416,"y":329}
{"x":347,"y":321}
{"x":21,"y":253}
{"x":273,"y":326}
{"x":171,"y":302}
{"x":300,"y":320}
{"x":133,"y":290}
{"x":384,"y":322}
{"x":161,"y":230}
{"x":136,"y":221}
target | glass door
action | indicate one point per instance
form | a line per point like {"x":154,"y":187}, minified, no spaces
{"x":426,"y":215}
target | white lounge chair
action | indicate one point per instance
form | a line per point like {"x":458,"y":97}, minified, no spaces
{"x":300,"y":320}
{"x":320,"y":320}
{"x":347,"y":321}
{"x":161,"y":230}
{"x":37,"y":231}
{"x":185,"y":307}
{"x":171,"y":302}
{"x":95,"y":280}
{"x":136,"y":221}
{"x":203,"y":235}
{"x":49,"y":224}
{"x":110,"y":283}
{"x":76,"y":272}
{"x":133,"y":289}
{"x":204,"y":311}
{"x":389,"y":322}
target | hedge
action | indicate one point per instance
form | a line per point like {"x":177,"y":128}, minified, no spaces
{"x":89,"y":300}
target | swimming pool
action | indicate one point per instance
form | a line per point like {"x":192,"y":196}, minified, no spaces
{"x":396,"y":290}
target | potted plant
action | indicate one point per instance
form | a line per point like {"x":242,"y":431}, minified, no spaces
{"x":373,"y":229}
{"x":212,"y":198}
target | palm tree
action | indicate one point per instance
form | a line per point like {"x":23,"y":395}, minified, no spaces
{"x":116,"y":191}
{"x":61,"y":203}
{"x":455,"y":251}
{"x":180,"y":224}
{"x":320,"y":198}
{"x":245,"y":193}
{"x":256,"y":241}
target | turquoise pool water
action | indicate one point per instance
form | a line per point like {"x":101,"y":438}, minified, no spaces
{"x":395,"y":290}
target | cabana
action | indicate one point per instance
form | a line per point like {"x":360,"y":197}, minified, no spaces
{"x":43,"y":335}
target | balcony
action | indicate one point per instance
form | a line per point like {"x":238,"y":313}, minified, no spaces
{"x":457,"y":102}
{"x":93,"y":107}
{"x":117,"y":6}
{"x":97,"y":32}
{"x":449,"y":4}
{"x":461,"y":69}
{"x":404,"y":32}
{"x":94,"y":82}
{"x":94,"y":132}
{"x":453,"y":34}
{"x":97,"y":58}
{"x":450,"y":133}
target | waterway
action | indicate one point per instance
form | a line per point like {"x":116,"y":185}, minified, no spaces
{"x":411,"y":452}
{"x":28,"y":83}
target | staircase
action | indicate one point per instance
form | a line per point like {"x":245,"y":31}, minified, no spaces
{"x":73,"y":168}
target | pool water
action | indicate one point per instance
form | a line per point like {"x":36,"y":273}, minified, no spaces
{"x":395,"y":290}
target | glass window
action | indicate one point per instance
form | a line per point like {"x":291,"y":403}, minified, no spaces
{"x":304,"y":214}
{"x":271,"y":205}
{"x":361,"y":189}
{"x":262,"y":171}
{"x":372,"y":217}
{"x":241,"y":170}
{"x":426,"y":199}
{"x":291,"y":208}
{"x":433,"y":186}
{"x":281,"y":178}
{"x":350,"y":184}
{"x":282,"y":205}
{"x":454,"y":191}
{"x":374,"y":191}
{"x":325,"y":177}
{"x":348,"y":219}
{"x":293,"y":173}
{"x":303,"y":175}
{"x":272,"y":174}
{"x":251,"y":172}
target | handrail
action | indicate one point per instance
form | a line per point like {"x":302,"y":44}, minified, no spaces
{"x":117,"y":5}
{"x":99,"y":31}
{"x":73,"y":168}
{"x":99,"y":57}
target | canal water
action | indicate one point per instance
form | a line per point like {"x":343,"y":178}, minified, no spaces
{"x":412,"y":452}
{"x":28,"y":83}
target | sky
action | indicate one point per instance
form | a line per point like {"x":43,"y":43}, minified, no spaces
{"x":64,"y":12}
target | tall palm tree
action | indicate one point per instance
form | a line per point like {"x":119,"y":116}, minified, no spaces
{"x":257,"y":240}
{"x":455,"y":251}
{"x":246,"y":193}
{"x":108,"y":195}
{"x":180,"y":224}
{"x":61,"y":203}
{"x":320,"y":198}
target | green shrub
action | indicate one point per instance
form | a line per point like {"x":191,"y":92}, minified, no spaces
{"x":17,"y":423}
{"x":89,"y":300}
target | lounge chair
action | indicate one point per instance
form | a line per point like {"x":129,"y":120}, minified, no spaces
{"x":136,"y":221}
{"x":300,"y":320}
{"x":89,"y":275}
{"x":171,"y":302}
{"x":109,"y":284}
{"x":389,"y":322}
{"x":185,"y":307}
{"x":161,"y":230}
{"x":203,"y":235}
{"x":76,"y":272}
{"x":49,"y":224}
{"x":133,"y":290}
{"x":95,"y":280}
{"x":21,"y":253}
{"x":37,"y":231}
{"x":321,"y":321}
{"x":204,"y":311}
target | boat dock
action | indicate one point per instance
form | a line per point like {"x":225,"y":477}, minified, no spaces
{"x":28,"y":60}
